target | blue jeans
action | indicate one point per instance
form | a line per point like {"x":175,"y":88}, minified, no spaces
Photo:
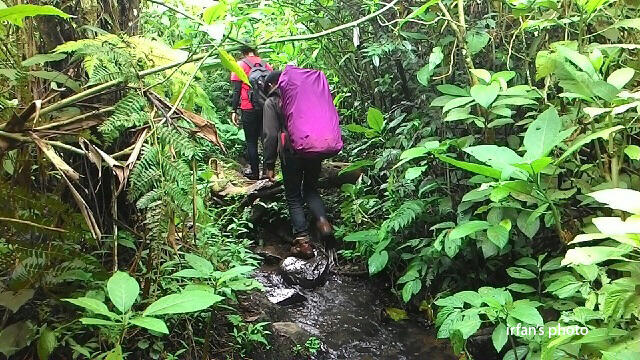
{"x":300,"y":177}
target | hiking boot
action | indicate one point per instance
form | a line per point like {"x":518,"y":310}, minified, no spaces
{"x":302,"y":247}
{"x":251,"y":175}
{"x":324,"y":227}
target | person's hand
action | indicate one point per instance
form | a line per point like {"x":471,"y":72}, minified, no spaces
{"x":270,"y":174}
{"x":234,"y":118}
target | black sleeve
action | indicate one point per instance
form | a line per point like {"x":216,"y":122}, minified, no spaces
{"x":235,"y":99}
{"x":270,"y":131}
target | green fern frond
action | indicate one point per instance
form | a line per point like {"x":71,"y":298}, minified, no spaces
{"x":405,"y":215}
{"x":129,"y":112}
{"x":181,"y":143}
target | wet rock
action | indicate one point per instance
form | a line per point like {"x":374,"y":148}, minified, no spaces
{"x":285,"y":296}
{"x":270,"y":254}
{"x":306,"y":273}
{"x":292,"y":331}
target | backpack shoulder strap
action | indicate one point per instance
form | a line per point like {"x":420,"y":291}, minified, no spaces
{"x":249,"y":63}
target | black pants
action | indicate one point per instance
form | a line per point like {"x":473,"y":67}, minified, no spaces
{"x":300,"y":178}
{"x":252,"y":126}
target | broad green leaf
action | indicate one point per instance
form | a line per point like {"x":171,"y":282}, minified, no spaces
{"x":449,"y":89}
{"x":417,"y":12}
{"x":521,"y":288}
{"x":115,"y":354}
{"x":476,"y":41}
{"x":150,"y":323}
{"x":355,"y":128}
{"x":424,"y":74}
{"x":485,"y":94}
{"x":235,"y":272}
{"x":498,"y":235}
{"x":597,"y":59}
{"x":474,"y":168}
{"x":16,"y":14}
{"x":215,"y":12}
{"x":456,"y":103}
{"x":593,"y":255}
{"x":42,"y":58}
{"x":57,"y":77}
{"x":633,"y":152}
{"x":469,"y":325}
{"x":498,"y":157}
{"x":595,"y":111}
{"x":230,"y":64}
{"x":581,"y":61}
{"x":46,"y":343}
{"x":355,"y":166}
{"x":470,"y":297}
{"x":528,"y":226}
{"x":481,"y":74}
{"x":586,"y":139}
{"x":185,"y":302}
{"x":544,"y":134}
{"x":375,"y":119}
{"x":378,"y":261}
{"x":14,"y":300}
{"x":599,"y":335}
{"x":191,"y":273}
{"x":628,"y":23}
{"x":502,"y":111}
{"x":620,"y":199}
{"x":413,"y":153}
{"x":396,"y":314}
{"x":452,"y":246}
{"x":520,"y":273}
{"x":414,"y":172}
{"x":621,"y":77}
{"x":200,"y":264}
{"x":525,"y":311}
{"x":499,"y":337}
{"x":504,"y":75}
{"x":468,"y":228}
{"x":122,"y":290}
{"x":15,"y":337}
{"x":545,"y":64}
{"x":93,"y":305}
{"x":516,"y":101}
{"x":411,"y":288}
{"x":459,"y":114}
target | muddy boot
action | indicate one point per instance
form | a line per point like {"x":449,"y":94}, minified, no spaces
{"x":249,"y":174}
{"x":325,"y":230}
{"x":302,"y":247}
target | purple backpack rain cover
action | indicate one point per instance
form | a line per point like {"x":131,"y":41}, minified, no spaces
{"x":312,"y":118}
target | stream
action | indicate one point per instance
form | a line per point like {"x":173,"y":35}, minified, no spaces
{"x":346,"y":313}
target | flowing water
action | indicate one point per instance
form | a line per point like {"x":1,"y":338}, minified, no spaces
{"x":347,"y":314}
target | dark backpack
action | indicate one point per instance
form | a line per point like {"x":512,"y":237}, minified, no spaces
{"x":257,"y":76}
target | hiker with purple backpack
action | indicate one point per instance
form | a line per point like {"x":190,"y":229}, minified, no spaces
{"x":300,"y":123}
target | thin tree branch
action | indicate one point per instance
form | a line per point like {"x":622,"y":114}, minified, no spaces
{"x":332,"y":30}
{"x":25,"y":222}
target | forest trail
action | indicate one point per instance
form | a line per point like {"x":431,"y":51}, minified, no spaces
{"x":344,"y":311}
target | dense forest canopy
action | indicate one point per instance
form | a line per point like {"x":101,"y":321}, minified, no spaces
{"x":493,"y":145}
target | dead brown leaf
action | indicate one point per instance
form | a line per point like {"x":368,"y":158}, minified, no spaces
{"x":56,"y":159}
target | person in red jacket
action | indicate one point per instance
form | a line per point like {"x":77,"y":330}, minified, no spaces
{"x":251,"y":118}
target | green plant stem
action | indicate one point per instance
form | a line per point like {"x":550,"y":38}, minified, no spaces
{"x":513,"y":346}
